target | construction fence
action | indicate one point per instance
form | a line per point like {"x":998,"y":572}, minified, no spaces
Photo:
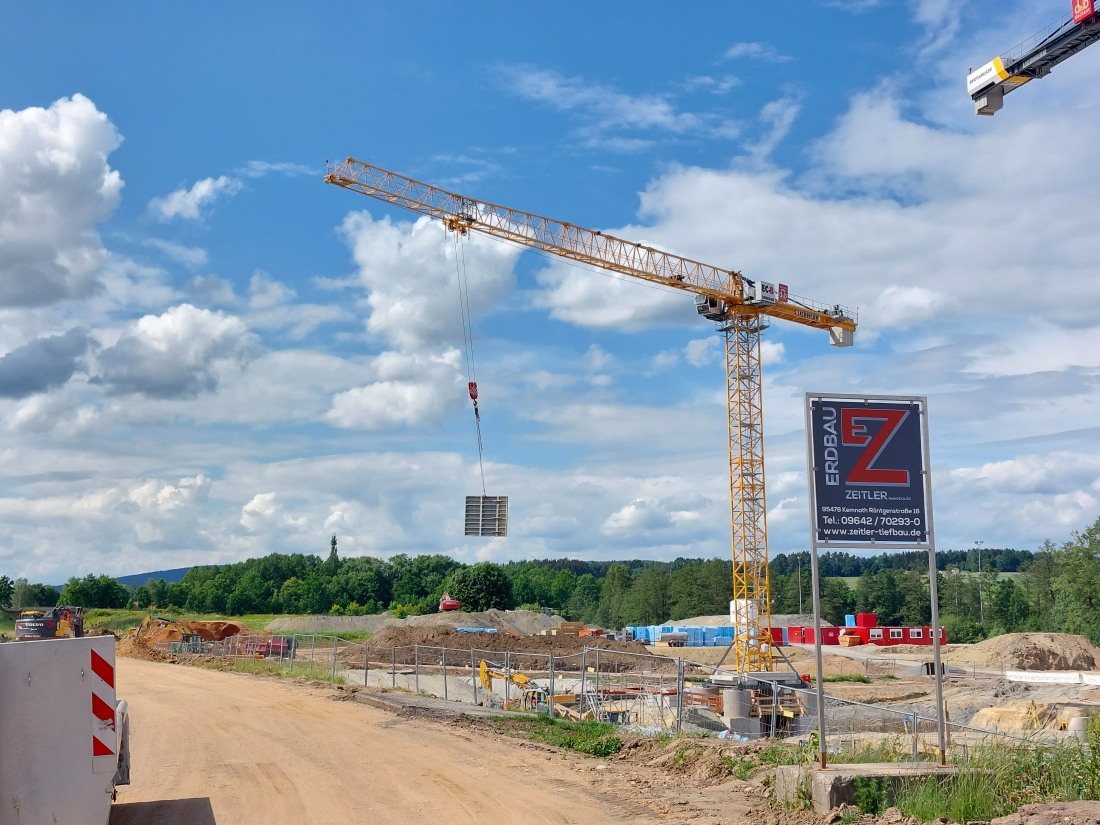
{"x":641,"y":692}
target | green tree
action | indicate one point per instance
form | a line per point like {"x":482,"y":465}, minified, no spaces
{"x":650,"y":599}
{"x":482,"y":587}
{"x":1010,"y":607}
{"x":7,"y":586}
{"x":616,"y":586}
{"x":22,"y":595}
{"x":837,"y":599}
{"x":585,"y":599}
{"x":561,"y":589}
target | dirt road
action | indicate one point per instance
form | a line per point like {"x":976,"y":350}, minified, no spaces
{"x":210,"y":747}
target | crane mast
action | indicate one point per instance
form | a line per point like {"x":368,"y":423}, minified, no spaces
{"x":741,"y":309}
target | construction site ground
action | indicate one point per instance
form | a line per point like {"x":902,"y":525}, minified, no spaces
{"x":212,"y":746}
{"x":219,"y":747}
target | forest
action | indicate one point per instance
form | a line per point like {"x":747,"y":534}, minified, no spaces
{"x":1054,"y":588}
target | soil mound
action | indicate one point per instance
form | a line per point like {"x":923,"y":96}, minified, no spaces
{"x":538,"y":648}
{"x":521,"y":622}
{"x":1033,"y":651}
{"x":1057,"y":813}
{"x":154,"y":630}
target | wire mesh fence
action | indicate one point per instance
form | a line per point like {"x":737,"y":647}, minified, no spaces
{"x":642,"y":692}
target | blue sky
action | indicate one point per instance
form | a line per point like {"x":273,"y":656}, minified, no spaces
{"x":207,"y":354}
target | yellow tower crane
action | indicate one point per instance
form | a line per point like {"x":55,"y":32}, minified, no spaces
{"x":740,"y":307}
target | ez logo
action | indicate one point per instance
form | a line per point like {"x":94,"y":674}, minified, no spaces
{"x":854,"y":433}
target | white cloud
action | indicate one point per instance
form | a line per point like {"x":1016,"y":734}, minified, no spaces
{"x":410,"y":272}
{"x":756,"y":51}
{"x":261,"y":168}
{"x":590,"y":298}
{"x":55,"y":187}
{"x":265,"y":513}
{"x":265,"y":292}
{"x":187,"y":255}
{"x":175,"y":354}
{"x":777,"y":118}
{"x":605,"y":110}
{"x":407,"y":390}
{"x":189,"y":204}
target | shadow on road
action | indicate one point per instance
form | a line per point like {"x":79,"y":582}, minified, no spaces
{"x":167,"y":812}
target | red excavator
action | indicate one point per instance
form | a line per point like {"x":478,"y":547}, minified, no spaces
{"x":447,"y":603}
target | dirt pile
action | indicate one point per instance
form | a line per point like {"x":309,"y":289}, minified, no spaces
{"x":154,"y":630}
{"x":1056,"y":813}
{"x":1032,"y":651}
{"x":521,"y":622}
{"x":402,"y":640}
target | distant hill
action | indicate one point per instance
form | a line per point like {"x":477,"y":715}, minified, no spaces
{"x":169,"y":576}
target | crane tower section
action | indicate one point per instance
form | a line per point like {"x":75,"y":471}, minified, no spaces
{"x":741,"y":308}
{"x":1034,"y":58}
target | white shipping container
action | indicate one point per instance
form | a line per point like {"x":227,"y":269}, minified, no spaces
{"x":63,"y":733}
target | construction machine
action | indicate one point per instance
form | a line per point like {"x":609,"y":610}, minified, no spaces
{"x":63,"y":621}
{"x":741,"y":309}
{"x":533,"y":695}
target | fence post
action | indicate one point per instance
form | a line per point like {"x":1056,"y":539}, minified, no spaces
{"x":332,"y":677}
{"x":550,"y":701}
{"x":599,"y":706}
{"x":312,"y":649}
{"x":366,"y":665}
{"x":584,"y":676}
{"x":473,"y":673}
{"x":444,"y":650}
{"x":393,"y":666}
{"x":679,"y":695}
{"x":416,"y":665}
{"x":507,"y":679}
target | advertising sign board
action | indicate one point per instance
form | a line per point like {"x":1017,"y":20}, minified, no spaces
{"x":867,"y":461}
{"x":1083,"y":10}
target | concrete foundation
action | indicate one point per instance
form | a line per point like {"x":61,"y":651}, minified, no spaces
{"x":835,"y":786}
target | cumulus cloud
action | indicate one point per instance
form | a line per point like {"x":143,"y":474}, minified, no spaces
{"x":42,"y":364}
{"x":265,"y":512}
{"x":590,"y":298}
{"x":176,"y":354}
{"x":55,"y":186}
{"x":189,"y":204}
{"x":406,"y":390}
{"x":410,"y":273}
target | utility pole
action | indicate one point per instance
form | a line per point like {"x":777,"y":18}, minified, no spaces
{"x":981,"y":601}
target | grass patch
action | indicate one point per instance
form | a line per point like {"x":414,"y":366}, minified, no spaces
{"x":591,"y":738}
{"x":998,"y":780}
{"x":848,"y":677}
{"x":267,"y":667}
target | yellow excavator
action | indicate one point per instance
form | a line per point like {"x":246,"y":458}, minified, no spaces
{"x":532,"y":695}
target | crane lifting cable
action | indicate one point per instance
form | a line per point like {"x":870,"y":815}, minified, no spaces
{"x":468,"y":348}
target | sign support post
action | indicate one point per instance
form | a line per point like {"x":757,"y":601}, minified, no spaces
{"x":870,"y":485}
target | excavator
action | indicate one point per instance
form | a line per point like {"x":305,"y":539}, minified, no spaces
{"x":533,"y":695}
{"x":49,"y":623}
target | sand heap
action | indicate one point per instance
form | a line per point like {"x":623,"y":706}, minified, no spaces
{"x":1032,"y":651}
{"x":154,"y":630}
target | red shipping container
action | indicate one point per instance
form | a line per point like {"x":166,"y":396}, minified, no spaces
{"x":777,"y":636}
{"x":830,"y":635}
{"x":866,"y":620}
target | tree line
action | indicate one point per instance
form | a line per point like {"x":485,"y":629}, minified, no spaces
{"x":1053,"y":589}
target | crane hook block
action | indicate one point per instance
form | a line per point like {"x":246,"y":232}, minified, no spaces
{"x":473,"y":391}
